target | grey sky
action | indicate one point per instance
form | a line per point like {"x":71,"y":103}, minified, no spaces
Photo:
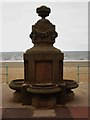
{"x":70,"y":18}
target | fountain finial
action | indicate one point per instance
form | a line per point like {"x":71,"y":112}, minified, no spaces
{"x":43,"y":11}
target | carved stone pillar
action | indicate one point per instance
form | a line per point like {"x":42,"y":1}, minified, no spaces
{"x":43,"y":62}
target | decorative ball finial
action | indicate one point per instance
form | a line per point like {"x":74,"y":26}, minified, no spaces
{"x":43,"y":11}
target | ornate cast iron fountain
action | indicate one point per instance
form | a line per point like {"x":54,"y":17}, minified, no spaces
{"x":43,"y":84}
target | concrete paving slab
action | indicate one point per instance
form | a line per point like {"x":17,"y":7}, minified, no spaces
{"x":44,"y":113}
{"x":81,"y":96}
{"x":7,"y":97}
{"x":71,"y":109}
{"x":62,"y":112}
{"x":78,"y":112}
{"x":80,"y":99}
{"x":17,"y":113}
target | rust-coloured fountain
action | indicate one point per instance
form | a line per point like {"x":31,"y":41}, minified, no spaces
{"x":43,"y":84}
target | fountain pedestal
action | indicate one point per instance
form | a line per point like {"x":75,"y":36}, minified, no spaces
{"x":43,"y":63}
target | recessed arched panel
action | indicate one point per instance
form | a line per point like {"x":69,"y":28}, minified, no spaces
{"x":43,"y":71}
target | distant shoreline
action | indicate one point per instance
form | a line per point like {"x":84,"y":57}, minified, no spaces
{"x":65,"y":63}
{"x":68,"y":56}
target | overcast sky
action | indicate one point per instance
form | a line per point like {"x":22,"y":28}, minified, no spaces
{"x":70,"y":18}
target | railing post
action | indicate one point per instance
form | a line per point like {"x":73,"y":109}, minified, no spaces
{"x":7,"y":73}
{"x":78,"y":73}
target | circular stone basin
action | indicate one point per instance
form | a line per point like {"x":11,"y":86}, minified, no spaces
{"x":70,"y":84}
{"x":43,"y":88}
{"x":16,"y":84}
{"x":46,"y":85}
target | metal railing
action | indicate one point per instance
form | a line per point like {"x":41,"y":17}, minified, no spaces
{"x":6,"y":73}
{"x":78,"y":72}
{"x":12,"y":71}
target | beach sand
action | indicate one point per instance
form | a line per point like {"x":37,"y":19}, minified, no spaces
{"x":15,"y":70}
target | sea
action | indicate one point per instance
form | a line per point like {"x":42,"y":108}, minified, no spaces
{"x":68,"y":56}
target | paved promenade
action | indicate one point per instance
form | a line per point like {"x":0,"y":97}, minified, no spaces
{"x":77,"y":108}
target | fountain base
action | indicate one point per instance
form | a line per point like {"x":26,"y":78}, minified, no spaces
{"x":43,"y":95}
